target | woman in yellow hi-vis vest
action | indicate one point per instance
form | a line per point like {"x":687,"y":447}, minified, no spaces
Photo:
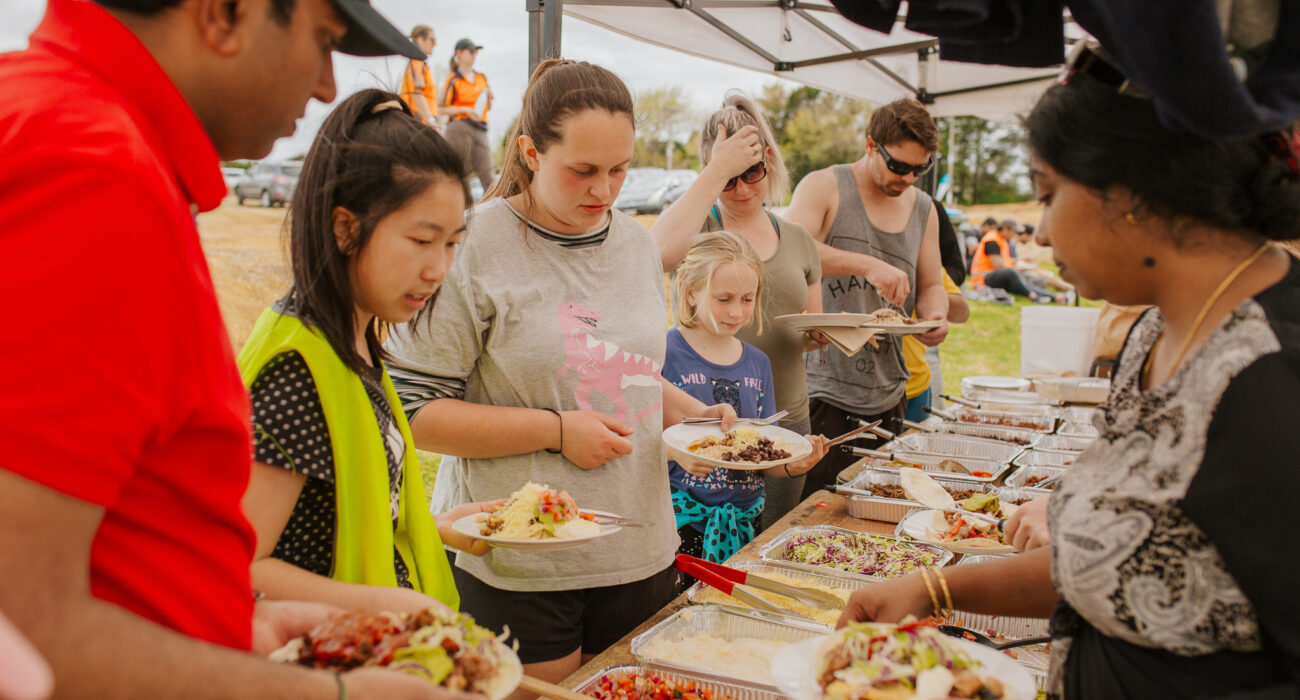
{"x":466,"y":99}
{"x":336,"y":495}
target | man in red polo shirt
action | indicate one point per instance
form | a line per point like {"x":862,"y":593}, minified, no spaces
{"x":124,"y":426}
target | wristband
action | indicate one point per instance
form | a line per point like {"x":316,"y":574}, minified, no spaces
{"x":561,"y":419}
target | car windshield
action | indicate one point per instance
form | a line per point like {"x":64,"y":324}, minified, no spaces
{"x":651,"y":180}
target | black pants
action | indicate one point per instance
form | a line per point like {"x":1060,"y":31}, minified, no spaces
{"x":1014,"y":282}
{"x":831,"y":421}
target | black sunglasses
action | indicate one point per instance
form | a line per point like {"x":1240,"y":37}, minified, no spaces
{"x":898,"y":167}
{"x":755,"y":174}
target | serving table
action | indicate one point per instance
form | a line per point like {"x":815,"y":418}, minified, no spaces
{"x":821,"y":508}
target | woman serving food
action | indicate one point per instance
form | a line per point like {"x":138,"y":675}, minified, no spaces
{"x":1164,"y":577}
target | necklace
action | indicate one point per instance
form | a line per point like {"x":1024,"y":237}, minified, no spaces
{"x":1205,"y":311}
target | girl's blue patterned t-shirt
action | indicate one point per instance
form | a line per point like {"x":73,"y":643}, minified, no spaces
{"x":747,"y":386}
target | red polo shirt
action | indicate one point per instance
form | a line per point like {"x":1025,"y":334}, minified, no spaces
{"x":118,"y":385}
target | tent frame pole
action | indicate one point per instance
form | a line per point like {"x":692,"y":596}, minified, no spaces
{"x":545,"y":28}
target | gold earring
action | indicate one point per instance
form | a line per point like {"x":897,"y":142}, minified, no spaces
{"x":1130,"y":218}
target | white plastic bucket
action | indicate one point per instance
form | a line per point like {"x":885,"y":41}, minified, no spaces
{"x":1056,"y":340}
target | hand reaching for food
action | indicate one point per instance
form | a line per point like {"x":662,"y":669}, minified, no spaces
{"x":590,"y":439}
{"x":890,"y":282}
{"x":1026,"y":529}
{"x":888,"y":601}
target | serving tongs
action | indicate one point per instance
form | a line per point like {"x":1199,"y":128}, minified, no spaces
{"x":941,"y":413}
{"x":864,"y":427}
{"x":726,"y":579}
{"x":891,"y":457}
{"x":966,"y":633}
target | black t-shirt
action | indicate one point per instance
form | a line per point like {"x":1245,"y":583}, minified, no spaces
{"x":1239,"y":505}
{"x":289,"y":431}
{"x":991,"y":248}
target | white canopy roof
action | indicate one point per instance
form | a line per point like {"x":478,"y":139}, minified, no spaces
{"x":811,"y":43}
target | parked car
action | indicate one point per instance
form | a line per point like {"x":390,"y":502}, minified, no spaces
{"x":650,"y":190}
{"x":232,"y":176}
{"x":269,"y":183}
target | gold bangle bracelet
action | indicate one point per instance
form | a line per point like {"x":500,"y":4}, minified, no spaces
{"x":934,"y":599}
{"x":943,"y":581}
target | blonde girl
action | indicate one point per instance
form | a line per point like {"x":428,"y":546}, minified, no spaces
{"x":743,"y":174}
{"x":716,"y":290}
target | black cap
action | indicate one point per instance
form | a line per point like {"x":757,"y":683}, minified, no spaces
{"x":369,"y":34}
{"x":467,"y":44}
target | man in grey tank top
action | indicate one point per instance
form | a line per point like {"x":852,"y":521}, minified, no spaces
{"x":878,"y":238}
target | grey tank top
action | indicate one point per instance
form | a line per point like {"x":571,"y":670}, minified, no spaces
{"x":871,"y":381}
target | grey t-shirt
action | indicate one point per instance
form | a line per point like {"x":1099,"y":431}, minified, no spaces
{"x":525,"y":321}
{"x":786,"y":277}
{"x":872,"y":381}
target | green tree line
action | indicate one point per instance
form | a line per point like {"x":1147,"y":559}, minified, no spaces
{"x":816,"y":129}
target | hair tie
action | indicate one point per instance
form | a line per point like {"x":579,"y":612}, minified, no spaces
{"x":385,"y":106}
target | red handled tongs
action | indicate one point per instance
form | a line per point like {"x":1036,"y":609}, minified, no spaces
{"x":727,"y":580}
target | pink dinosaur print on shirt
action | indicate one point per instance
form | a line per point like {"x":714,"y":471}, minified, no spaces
{"x":601,"y":365}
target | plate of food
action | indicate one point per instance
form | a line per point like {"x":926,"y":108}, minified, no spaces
{"x":443,"y":647}
{"x":966,"y":527}
{"x":745,"y":446}
{"x":536,"y":517}
{"x":890,"y":321}
{"x":911,"y":659}
{"x":807,"y":322}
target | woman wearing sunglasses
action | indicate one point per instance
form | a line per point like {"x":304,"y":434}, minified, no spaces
{"x":1166,"y":573}
{"x":744,"y":171}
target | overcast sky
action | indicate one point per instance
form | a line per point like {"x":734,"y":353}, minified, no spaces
{"x":501,"y":26}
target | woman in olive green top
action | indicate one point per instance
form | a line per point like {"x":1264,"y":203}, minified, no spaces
{"x":743,"y":172}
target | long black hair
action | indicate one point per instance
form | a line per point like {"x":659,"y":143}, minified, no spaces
{"x":369,"y":157}
{"x":1093,"y":135}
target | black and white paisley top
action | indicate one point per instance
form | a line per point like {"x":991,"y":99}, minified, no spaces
{"x":1174,"y":535}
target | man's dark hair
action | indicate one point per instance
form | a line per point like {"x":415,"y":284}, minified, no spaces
{"x":371,"y":164}
{"x":903,"y":120}
{"x":281,"y":10}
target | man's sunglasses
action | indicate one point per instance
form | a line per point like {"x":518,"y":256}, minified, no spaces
{"x":755,"y":174}
{"x":898,"y":167}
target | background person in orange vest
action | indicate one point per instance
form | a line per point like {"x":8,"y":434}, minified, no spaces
{"x":994,"y":265}
{"x":467,"y":130}
{"x":417,"y":80}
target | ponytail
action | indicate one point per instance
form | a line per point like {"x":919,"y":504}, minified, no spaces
{"x":739,"y":111}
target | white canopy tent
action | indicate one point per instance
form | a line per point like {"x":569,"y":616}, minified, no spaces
{"x":809,"y":43}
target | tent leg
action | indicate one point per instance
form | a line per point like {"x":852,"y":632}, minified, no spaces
{"x":545,"y":20}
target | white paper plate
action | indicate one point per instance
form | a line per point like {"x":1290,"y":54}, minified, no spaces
{"x":793,"y":670}
{"x":471,"y":525}
{"x":915,"y":524}
{"x":680,"y":436}
{"x":803,"y":322}
{"x":898,"y":329}
{"x":995,"y":382}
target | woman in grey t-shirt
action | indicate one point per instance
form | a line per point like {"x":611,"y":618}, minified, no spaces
{"x":541,"y":363}
{"x":744,"y":171}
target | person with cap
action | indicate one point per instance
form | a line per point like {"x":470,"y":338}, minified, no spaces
{"x":462,"y":94}
{"x":994,"y":265}
{"x":417,"y":80}
{"x":124,"y":550}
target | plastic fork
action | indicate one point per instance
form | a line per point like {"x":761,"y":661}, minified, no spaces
{"x":703,"y":420}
